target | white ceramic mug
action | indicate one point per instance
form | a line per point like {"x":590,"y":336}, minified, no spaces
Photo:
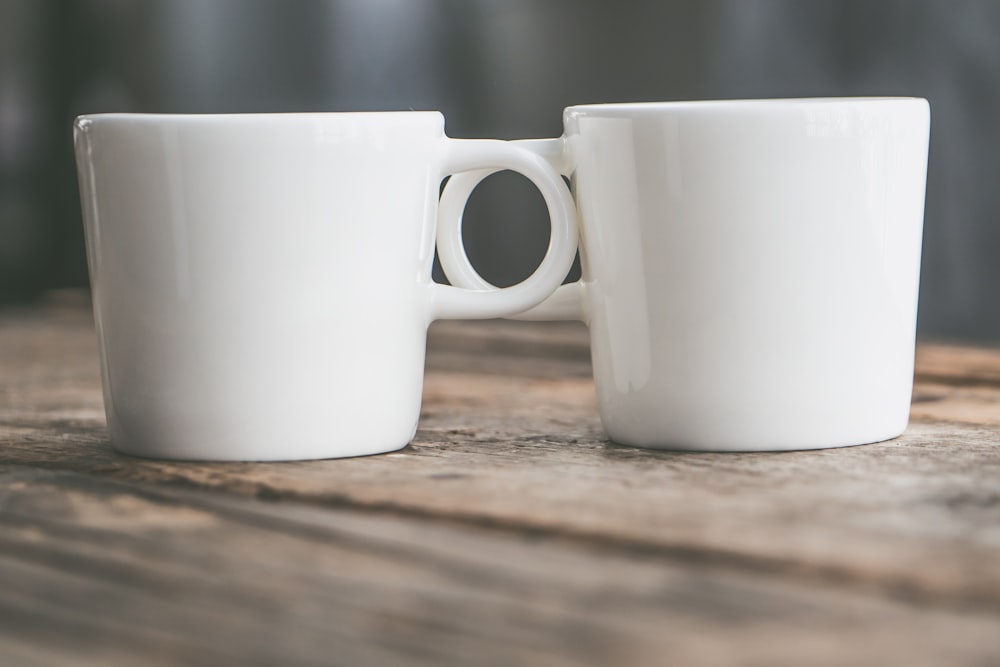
{"x":261,"y":282}
{"x":750,"y":268}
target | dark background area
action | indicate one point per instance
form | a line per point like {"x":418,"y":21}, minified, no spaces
{"x":506,"y":69}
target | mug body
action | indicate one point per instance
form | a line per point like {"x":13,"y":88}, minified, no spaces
{"x":751,"y":268}
{"x":260,"y":282}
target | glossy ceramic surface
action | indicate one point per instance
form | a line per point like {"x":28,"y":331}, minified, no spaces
{"x":750,"y":268}
{"x":261,"y":283}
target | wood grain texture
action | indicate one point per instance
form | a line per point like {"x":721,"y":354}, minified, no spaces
{"x":103,"y":572}
{"x":510,"y":458}
{"x":959,"y":365}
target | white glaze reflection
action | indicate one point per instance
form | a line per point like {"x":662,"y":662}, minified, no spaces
{"x":619,"y":318}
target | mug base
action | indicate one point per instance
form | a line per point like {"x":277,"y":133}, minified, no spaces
{"x":761,"y":446}
{"x":207,"y":456}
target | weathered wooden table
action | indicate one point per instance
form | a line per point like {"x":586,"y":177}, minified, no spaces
{"x":511,"y":532}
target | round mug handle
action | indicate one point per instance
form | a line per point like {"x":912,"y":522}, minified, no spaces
{"x":466,"y":158}
{"x":566,"y":302}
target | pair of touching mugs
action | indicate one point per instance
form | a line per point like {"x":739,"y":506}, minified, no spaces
{"x":262,"y":283}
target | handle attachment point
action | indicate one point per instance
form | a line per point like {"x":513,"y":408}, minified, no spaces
{"x":566,"y":302}
{"x":479,"y":299}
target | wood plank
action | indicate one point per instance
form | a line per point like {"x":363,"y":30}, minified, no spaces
{"x":100,"y":572}
{"x":965,"y":365}
{"x":917,"y":518}
{"x":973,"y":403}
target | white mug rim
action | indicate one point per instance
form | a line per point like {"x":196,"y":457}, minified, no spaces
{"x":729,"y":105}
{"x":389,"y":116}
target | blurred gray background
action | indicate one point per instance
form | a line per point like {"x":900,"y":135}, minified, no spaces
{"x":499,"y":68}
